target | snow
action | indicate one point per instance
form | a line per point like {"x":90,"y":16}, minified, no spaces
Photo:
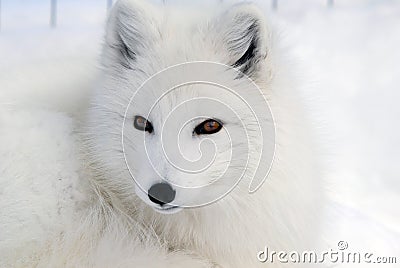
{"x":350,"y":53}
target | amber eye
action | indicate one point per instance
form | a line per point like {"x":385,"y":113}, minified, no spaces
{"x":209,"y":126}
{"x":142,"y":124}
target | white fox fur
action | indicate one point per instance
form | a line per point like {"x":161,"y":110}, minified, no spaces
{"x":76,"y":203}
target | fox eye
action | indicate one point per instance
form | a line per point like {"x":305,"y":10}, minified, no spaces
{"x":209,"y":126}
{"x":142,"y":124}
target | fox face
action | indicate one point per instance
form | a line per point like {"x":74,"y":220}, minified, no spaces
{"x":179,"y":119}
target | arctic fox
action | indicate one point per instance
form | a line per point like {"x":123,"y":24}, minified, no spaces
{"x":171,"y":160}
{"x":138,"y":176}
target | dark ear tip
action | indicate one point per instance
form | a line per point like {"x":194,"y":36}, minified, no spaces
{"x":127,"y":31}
{"x":246,"y":35}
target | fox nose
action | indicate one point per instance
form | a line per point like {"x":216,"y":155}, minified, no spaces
{"x":161,"y":193}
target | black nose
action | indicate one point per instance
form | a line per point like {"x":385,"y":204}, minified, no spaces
{"x":161,"y":193}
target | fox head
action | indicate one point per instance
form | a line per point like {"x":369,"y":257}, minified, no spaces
{"x":176,"y":117}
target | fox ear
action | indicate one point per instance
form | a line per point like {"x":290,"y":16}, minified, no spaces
{"x":245,"y":37}
{"x":129,"y":30}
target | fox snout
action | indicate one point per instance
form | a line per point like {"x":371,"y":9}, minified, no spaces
{"x":161,"y":193}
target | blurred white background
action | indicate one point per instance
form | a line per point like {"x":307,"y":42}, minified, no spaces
{"x":350,"y":55}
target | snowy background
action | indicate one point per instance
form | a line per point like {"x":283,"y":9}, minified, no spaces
{"x":350,"y":54}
